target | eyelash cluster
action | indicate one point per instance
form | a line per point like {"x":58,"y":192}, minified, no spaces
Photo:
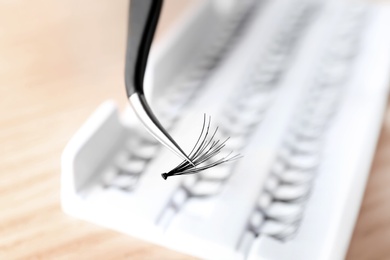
{"x":205,"y":149}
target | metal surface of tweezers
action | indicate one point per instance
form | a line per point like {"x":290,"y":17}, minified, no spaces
{"x":143,"y":20}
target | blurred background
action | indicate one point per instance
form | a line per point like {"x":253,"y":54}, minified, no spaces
{"x":58,"y":61}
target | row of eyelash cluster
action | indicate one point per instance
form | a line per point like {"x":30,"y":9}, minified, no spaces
{"x":280,"y":207}
{"x":141,"y":148}
{"x":180,"y":94}
{"x":244,"y":112}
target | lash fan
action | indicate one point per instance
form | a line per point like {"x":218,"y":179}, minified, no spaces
{"x":204,"y":149}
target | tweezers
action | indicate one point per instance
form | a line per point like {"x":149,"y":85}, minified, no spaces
{"x":142,"y":23}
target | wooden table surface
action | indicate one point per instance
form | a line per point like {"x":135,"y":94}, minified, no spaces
{"x":58,"y":61}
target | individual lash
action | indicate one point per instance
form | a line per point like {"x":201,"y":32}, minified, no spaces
{"x":205,"y":148}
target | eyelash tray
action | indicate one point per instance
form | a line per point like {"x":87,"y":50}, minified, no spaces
{"x":300,"y":88}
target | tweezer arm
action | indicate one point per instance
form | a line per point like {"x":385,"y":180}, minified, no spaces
{"x":143,"y":19}
{"x":144,"y":15}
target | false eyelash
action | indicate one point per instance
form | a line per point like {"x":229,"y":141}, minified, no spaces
{"x":204,"y":149}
